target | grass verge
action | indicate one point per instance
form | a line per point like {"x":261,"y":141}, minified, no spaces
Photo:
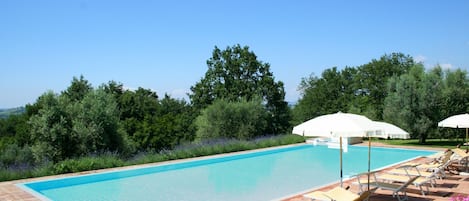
{"x":440,"y":143}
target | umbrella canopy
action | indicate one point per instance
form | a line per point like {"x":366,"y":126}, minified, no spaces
{"x":456,"y":121}
{"x":337,"y":125}
{"x":386,"y":130}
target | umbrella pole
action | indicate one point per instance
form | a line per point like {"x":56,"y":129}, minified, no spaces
{"x":369,"y":159}
{"x":340,"y":141}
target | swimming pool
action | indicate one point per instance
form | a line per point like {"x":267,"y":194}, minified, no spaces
{"x":260,"y":175}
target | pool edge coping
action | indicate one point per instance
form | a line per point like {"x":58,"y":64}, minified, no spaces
{"x":37,"y":196}
{"x":20,"y":183}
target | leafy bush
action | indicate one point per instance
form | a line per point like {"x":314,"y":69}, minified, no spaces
{"x":66,"y":128}
{"x":239,"y":120}
{"x":107,"y":160}
{"x":13,"y":155}
{"x":24,"y":171}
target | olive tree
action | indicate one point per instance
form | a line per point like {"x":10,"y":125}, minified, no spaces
{"x":65,"y":128}
{"x":414,"y":101}
{"x":228,"y":119}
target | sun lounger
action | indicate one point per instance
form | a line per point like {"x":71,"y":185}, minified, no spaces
{"x":362,"y":180}
{"x":439,"y":165}
{"x":419,"y":182}
{"x":460,"y":152}
{"x":461,"y":155}
{"x":398,"y":190}
{"x":412,"y":170}
{"x":338,"y":194}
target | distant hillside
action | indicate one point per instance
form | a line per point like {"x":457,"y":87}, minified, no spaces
{"x":4,"y":113}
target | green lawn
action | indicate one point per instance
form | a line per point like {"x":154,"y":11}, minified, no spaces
{"x":442,"y":143}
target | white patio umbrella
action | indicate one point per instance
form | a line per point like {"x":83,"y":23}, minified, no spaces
{"x":392,"y":131}
{"x":337,"y":125}
{"x":457,"y":121}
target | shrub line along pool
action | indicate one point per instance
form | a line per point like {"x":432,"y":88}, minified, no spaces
{"x":256,"y":175}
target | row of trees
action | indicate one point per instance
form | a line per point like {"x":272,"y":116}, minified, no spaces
{"x":237,"y":98}
{"x":393,"y":88}
{"x":82,"y":120}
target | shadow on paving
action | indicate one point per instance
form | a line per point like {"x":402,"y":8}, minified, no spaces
{"x":446,"y":185}
{"x":389,"y":197}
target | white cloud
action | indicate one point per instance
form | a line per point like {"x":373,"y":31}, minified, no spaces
{"x":127,"y":88}
{"x":420,"y":59}
{"x":446,"y":66}
{"x":176,"y":93}
{"x":179,"y":94}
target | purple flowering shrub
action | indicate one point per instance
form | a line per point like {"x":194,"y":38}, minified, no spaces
{"x":459,"y":197}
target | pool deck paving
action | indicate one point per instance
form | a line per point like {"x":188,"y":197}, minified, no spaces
{"x":452,"y":185}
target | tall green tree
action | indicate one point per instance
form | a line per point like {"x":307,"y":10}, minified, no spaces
{"x":137,"y":111}
{"x":331,"y":93}
{"x":168,"y":127}
{"x":178,"y":117}
{"x":455,"y":99}
{"x":235,"y":74}
{"x":51,"y":129}
{"x":14,"y":129}
{"x":371,"y":81}
{"x":151,"y":123}
{"x":414,"y":101}
{"x":96,"y":123}
{"x":455,"y":93}
{"x":78,"y":89}
{"x":114,"y":88}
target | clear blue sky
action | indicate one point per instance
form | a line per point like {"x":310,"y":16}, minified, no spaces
{"x":164,"y":45}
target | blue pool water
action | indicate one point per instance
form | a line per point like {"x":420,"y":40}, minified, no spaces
{"x":261,"y":175}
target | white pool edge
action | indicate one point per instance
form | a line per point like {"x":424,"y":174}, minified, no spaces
{"x":32,"y":192}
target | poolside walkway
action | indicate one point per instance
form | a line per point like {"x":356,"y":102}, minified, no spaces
{"x":9,"y":192}
{"x":452,"y":185}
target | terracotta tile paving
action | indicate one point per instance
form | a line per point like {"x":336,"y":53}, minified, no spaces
{"x":9,"y":192}
{"x":452,"y":185}
{"x":446,"y":188}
